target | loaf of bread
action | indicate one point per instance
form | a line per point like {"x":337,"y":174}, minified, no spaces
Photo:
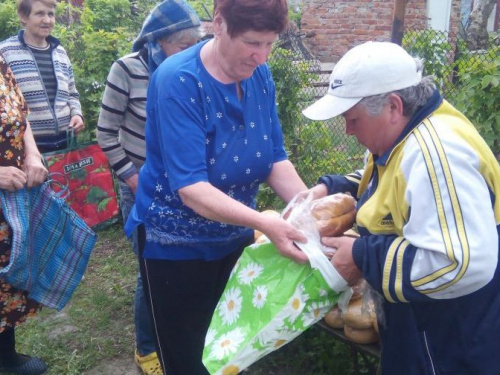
{"x":333,"y":318}
{"x":361,"y":336}
{"x":359,"y":318}
{"x":334,"y":214}
{"x":360,"y":314}
{"x":358,"y":289}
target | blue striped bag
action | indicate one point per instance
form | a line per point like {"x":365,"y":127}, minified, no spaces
{"x":51,"y":244}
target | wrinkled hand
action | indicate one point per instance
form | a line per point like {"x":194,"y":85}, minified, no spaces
{"x":132,"y":182}
{"x":35,"y":171}
{"x":342,"y":260}
{"x":12,"y":178}
{"x":76,"y":124}
{"x":283,"y":235}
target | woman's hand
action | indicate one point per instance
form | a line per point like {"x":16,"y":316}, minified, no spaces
{"x":132,"y":182}
{"x":33,"y":168}
{"x":35,"y":171}
{"x":12,"y":178}
{"x":76,"y":124}
{"x":283,"y":235}
{"x":213,"y":204}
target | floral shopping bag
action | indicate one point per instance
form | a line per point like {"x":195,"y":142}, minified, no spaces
{"x":268,"y":301}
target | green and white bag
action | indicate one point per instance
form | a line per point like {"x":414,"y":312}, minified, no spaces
{"x":269,"y":300}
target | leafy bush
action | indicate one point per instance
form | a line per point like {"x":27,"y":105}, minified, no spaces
{"x":101,"y":35}
{"x":291,"y":76}
{"x":9,"y":23}
{"x":478,"y":91}
{"x":326,"y":149}
{"x":468,"y":79}
{"x":107,"y":15}
{"x":432,"y":46}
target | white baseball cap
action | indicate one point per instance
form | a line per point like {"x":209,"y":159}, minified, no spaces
{"x":368,"y":69}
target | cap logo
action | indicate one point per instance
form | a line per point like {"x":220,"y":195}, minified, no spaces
{"x":336,"y":83}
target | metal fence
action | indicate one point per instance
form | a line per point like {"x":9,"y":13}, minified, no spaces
{"x":317,"y":148}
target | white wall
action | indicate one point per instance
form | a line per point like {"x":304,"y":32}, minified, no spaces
{"x":438,"y":13}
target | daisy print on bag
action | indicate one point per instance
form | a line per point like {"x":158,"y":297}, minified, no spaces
{"x":249,"y":273}
{"x":231,"y":306}
{"x":228,"y":343}
{"x":259,"y":296}
{"x":297,"y":303}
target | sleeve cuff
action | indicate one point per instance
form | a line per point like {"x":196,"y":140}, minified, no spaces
{"x":358,"y":252}
{"x":128,"y":173}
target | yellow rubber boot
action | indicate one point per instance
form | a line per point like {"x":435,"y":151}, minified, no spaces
{"x":149,"y":364}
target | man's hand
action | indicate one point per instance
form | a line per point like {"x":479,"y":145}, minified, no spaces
{"x":342,"y":259}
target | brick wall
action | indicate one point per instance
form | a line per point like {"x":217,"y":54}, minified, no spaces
{"x":332,"y":27}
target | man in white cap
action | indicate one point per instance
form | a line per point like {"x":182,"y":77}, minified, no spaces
{"x":428,"y":214}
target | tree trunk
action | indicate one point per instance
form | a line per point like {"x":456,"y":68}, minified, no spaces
{"x":477,"y":33}
{"x":398,"y":21}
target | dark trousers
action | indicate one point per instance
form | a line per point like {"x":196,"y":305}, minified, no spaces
{"x":7,"y":344}
{"x":182,"y":296}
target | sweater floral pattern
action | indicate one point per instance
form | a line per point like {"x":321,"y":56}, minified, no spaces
{"x":15,"y":306}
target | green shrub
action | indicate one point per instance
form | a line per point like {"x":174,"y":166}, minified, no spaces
{"x":326,"y":149}
{"x":106,"y":15}
{"x":432,"y":46}
{"x":477,"y":93}
{"x":291,"y":75}
{"x":9,"y":23}
{"x":469,"y":80}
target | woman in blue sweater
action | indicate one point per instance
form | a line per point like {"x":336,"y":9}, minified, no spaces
{"x":212,"y":137}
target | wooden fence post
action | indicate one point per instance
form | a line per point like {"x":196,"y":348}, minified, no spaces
{"x":398,"y":21}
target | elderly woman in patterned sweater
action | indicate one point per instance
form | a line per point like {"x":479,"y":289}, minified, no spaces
{"x":44,"y":74}
{"x":20,"y":166}
{"x":171,"y":27}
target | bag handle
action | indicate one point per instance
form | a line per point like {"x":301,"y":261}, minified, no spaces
{"x":298,"y":213}
{"x":71,"y":140}
{"x":64,"y":193}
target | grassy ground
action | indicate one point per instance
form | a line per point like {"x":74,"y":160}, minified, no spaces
{"x":97,"y":325}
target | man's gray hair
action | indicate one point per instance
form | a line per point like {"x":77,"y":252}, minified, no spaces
{"x":412,"y":97}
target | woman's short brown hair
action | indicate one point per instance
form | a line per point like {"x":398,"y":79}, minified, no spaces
{"x":24,"y":6}
{"x":256,"y":15}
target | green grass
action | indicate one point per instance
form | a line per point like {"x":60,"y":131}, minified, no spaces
{"x":97,"y":324}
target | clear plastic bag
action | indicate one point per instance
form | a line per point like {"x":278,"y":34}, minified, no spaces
{"x":299,"y":212}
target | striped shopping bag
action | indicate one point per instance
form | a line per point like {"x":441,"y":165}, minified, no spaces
{"x":51,"y":244}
